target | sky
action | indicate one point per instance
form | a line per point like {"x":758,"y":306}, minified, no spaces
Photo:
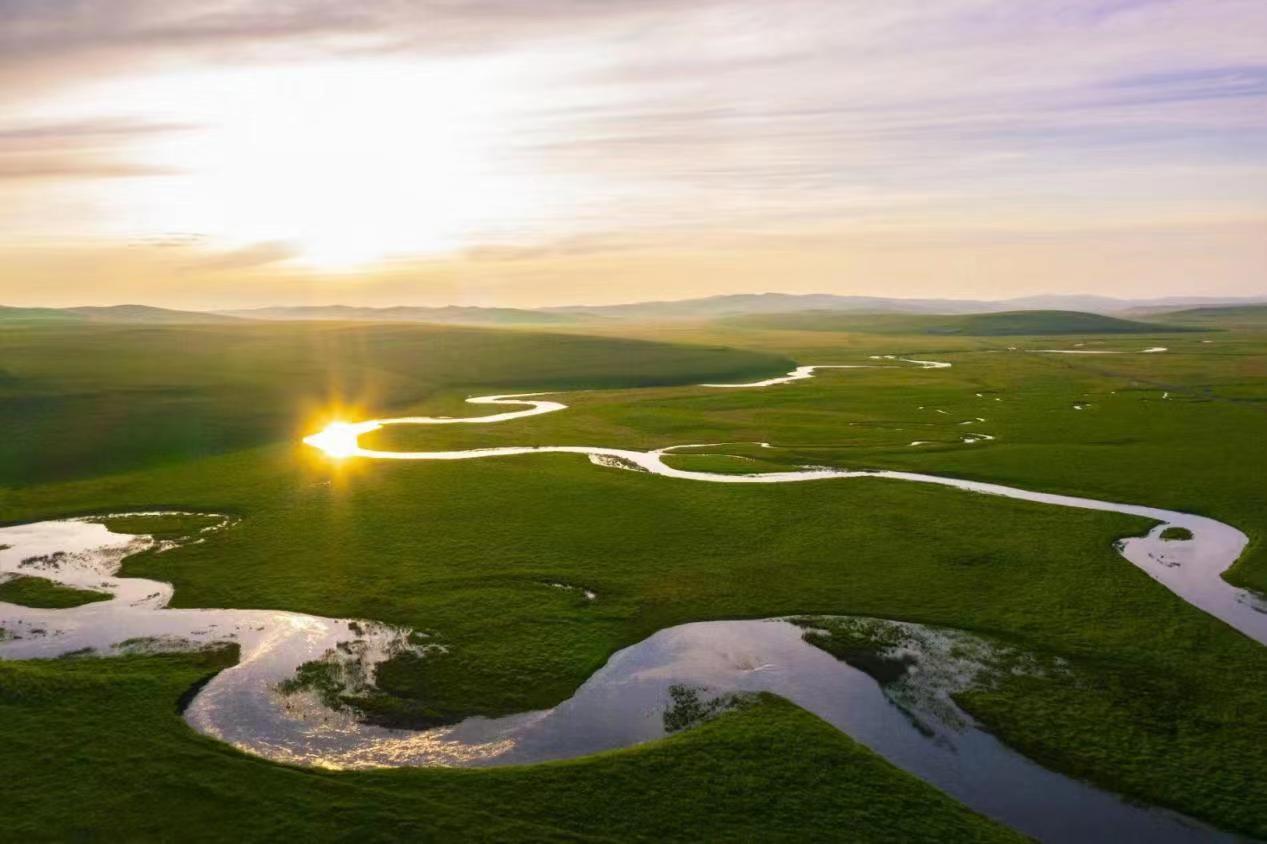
{"x":240,"y":153}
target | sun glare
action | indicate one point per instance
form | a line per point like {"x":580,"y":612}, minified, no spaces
{"x":340,"y":439}
{"x":347,"y":164}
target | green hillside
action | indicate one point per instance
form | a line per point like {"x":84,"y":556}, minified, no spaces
{"x":148,"y":314}
{"x":1236,"y":316}
{"x":969,"y":325}
{"x":10,"y":316}
{"x":130,"y":314}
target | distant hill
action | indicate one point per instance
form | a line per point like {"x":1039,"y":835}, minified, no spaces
{"x":147,"y":314}
{"x":973,"y":325}
{"x":712,"y":307}
{"x":37,"y":315}
{"x":1234,"y":316}
{"x":449,"y":315}
{"x":143,"y":314}
{"x":705,"y":308}
{"x":763,"y":303}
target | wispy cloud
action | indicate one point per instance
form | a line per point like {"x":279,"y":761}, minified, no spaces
{"x":79,"y":149}
{"x":248,"y":257}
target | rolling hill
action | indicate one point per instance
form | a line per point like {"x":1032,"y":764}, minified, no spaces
{"x":142,"y":314}
{"x":448,"y":315}
{"x":973,"y":325}
{"x":1236,"y":316}
{"x":712,"y":307}
{"x":1177,"y":310}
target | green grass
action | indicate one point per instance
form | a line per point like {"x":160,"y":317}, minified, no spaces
{"x":1168,"y":705}
{"x":768,"y":771}
{"x":42,"y":593}
{"x":91,"y":400}
{"x":169,"y":526}
{"x":10,"y":317}
{"x":720,"y":463}
{"x":1173,"y":534}
{"x":1018,"y":323}
{"x":1252,"y":317}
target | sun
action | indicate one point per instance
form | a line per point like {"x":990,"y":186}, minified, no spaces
{"x":340,"y":440}
{"x":348,"y":164}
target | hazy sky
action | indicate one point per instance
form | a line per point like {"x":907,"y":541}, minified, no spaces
{"x":206,"y":153}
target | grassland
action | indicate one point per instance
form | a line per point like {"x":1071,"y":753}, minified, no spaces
{"x":1167,"y":707}
{"x":39,"y":592}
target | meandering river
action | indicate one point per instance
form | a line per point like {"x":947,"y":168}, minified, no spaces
{"x":623,"y":703}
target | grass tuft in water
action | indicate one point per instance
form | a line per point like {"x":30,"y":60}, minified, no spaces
{"x":688,"y":708}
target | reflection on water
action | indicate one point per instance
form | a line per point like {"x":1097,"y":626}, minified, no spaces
{"x":257,"y":707}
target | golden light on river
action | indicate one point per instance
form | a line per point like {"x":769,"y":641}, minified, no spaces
{"x":340,"y":439}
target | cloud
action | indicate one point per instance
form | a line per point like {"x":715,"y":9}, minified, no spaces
{"x":32,"y":168}
{"x":248,"y":257}
{"x":622,"y":127}
{"x":67,"y":31}
{"x":85,"y":131}
{"x":79,"y":149}
{"x":566,"y":247}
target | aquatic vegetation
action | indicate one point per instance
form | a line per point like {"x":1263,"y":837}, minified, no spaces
{"x":344,"y":678}
{"x":42,"y":592}
{"x":689,"y":707}
{"x":924,"y":669}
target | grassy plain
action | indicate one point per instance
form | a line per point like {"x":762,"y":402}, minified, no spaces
{"x":39,"y":592}
{"x":1167,"y":703}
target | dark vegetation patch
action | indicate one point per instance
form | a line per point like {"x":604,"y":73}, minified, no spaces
{"x":53,"y":560}
{"x":688,"y":707}
{"x":220,"y":657}
{"x":986,"y":559}
{"x":370,"y":704}
{"x":43,"y":593}
{"x":863,"y":647}
{"x":162,"y":526}
{"x":869,"y":659}
{"x":1175,"y":533}
{"x":399,"y":697}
